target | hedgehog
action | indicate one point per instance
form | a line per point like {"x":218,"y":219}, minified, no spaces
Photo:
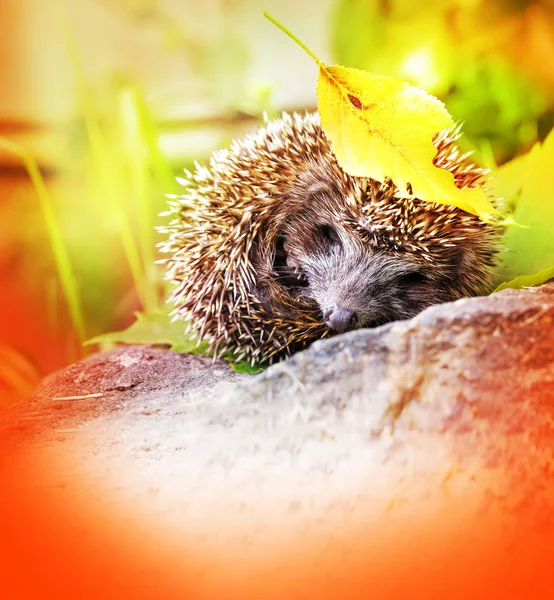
{"x":273,"y":245}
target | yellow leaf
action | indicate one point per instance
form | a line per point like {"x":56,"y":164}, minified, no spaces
{"x":382,"y":127}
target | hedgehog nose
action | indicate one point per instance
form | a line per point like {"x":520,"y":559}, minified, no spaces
{"x":339,"y":319}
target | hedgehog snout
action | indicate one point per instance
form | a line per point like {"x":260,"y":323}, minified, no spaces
{"x":340,"y":319}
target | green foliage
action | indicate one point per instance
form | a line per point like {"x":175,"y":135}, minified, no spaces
{"x":154,"y":328}
{"x":497,"y":104}
{"x":358,"y":32}
{"x":453,"y":49}
{"x":396,"y":39}
{"x":109,"y":193}
{"x":58,"y":245}
{"x":226,"y":60}
{"x":526,"y":185}
{"x":139,"y":157}
{"x":158,"y":328}
{"x":245,"y":367}
{"x":101,"y":210}
{"x":524,"y":281}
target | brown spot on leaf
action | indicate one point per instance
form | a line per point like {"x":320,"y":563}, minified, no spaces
{"x":356,"y":102}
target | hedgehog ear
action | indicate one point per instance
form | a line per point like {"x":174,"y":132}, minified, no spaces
{"x":463,"y":259}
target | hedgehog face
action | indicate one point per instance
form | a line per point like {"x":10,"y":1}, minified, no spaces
{"x":355,"y":287}
{"x":351,"y":284}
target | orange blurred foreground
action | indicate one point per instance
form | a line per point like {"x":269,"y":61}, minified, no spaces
{"x":58,"y":543}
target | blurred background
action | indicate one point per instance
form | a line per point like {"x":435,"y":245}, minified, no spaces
{"x":104,"y":101}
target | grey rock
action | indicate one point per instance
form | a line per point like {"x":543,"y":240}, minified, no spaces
{"x":120,"y":379}
{"x":449,"y":414}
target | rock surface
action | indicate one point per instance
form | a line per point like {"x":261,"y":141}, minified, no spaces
{"x":446,"y":418}
{"x":110,"y":382}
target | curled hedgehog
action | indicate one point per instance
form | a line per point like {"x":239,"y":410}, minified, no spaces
{"x":274,"y":246}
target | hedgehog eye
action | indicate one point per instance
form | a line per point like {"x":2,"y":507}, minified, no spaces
{"x":412,"y":278}
{"x":328,"y":234}
{"x":287,"y":272}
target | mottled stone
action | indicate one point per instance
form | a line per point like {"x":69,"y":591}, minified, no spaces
{"x":445,"y":420}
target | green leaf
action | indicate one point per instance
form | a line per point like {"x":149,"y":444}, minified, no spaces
{"x":154,"y":328}
{"x":157,"y":328}
{"x":524,"y":281}
{"x":526,"y":185}
{"x":246,"y":367}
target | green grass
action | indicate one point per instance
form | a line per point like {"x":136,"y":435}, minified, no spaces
{"x":118,"y":165}
{"x":59,"y":248}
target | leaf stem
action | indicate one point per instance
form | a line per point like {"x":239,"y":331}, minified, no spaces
{"x":292,"y":37}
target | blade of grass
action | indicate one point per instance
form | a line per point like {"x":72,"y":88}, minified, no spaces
{"x":105,"y":163}
{"x":135,"y":152}
{"x":115,"y":192}
{"x":59,"y":249}
{"x":150,"y":173}
{"x":161,"y":169}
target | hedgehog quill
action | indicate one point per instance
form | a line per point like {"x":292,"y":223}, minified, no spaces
{"x":273,"y":245}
